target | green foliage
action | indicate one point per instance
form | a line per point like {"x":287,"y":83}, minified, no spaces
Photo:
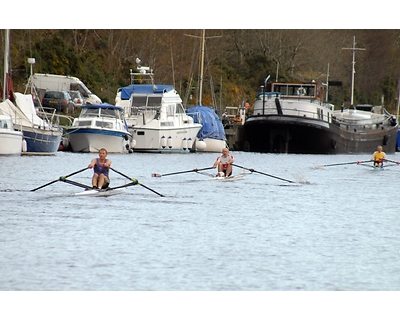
{"x":239,"y":62}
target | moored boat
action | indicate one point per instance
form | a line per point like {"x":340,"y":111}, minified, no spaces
{"x":11,"y":142}
{"x":293,"y":118}
{"x":155,"y":115}
{"x":10,"y":139}
{"x":42,"y":135}
{"x":211,"y":137}
{"x":99,"y":126}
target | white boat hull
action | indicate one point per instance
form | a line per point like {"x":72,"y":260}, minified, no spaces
{"x":174,"y":140}
{"x":231,"y":178}
{"x":10,"y":143}
{"x":100,"y":193}
{"x":10,"y":140}
{"x":93,"y":140}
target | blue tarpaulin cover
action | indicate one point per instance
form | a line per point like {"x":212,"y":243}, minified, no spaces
{"x":127,"y":91}
{"x":212,"y":124}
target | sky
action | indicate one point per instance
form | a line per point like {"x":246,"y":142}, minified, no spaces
{"x":205,"y":14}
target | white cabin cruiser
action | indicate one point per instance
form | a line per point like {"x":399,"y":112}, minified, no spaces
{"x":99,"y":126}
{"x":155,"y":115}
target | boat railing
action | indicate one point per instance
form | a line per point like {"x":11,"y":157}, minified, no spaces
{"x":52,"y":118}
{"x":319,"y":114}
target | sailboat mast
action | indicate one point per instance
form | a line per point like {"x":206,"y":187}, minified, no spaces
{"x":203,"y":39}
{"x":6,"y":52}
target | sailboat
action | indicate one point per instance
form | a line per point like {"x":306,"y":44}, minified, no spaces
{"x":11,"y":141}
{"x":40,"y":129}
{"x":211,"y":137}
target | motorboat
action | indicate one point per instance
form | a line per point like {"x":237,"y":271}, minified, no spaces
{"x":11,"y":142}
{"x":155,"y":115}
{"x":99,"y":126}
{"x":211,"y":137}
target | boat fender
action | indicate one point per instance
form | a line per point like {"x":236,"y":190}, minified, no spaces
{"x":184,"y":144}
{"x":190,"y":143}
{"x":385,"y":139}
{"x":333,"y":144}
{"x":169,"y":142}
{"x":126,"y":137}
{"x":24,"y":146}
{"x":133,"y":144}
{"x":163,"y":142}
{"x":127,"y":146}
{"x":201,"y":145}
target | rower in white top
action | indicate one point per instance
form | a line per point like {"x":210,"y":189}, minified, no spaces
{"x":224,"y":163}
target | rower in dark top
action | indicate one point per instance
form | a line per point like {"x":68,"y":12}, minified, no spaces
{"x":101,"y":166}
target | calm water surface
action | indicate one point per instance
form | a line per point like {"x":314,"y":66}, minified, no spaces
{"x":335,"y":228}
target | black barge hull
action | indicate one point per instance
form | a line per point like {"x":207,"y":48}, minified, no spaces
{"x":291,"y":134}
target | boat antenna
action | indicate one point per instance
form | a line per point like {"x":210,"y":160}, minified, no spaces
{"x":353,"y":50}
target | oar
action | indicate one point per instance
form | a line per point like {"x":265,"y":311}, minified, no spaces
{"x":76,"y":183}
{"x":266,"y":174}
{"x":179,"y":172}
{"x":396,"y":162}
{"x":60,"y":179}
{"x":134,"y":181}
{"x":341,"y":164}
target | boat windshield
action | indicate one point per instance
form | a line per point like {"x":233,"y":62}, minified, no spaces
{"x":100,"y":112}
{"x":146,"y":101}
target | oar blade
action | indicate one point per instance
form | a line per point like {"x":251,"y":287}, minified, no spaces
{"x":156,"y":175}
{"x":45,"y":185}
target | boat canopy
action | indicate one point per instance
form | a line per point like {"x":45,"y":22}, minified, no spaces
{"x":211,"y":124}
{"x":127,"y":91}
{"x":101,"y":106}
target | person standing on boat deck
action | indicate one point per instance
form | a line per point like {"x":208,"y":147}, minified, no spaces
{"x":379,"y":157}
{"x":101,"y":166}
{"x":224,"y":163}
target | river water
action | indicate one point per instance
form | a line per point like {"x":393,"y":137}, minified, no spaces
{"x":329,"y":229}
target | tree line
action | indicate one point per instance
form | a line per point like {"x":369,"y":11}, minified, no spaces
{"x":235,"y":65}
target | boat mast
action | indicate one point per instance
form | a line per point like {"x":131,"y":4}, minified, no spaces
{"x":203,"y":38}
{"x":353,"y":50}
{"x":6,"y":52}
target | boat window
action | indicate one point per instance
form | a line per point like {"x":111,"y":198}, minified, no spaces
{"x":154,"y":101}
{"x":104,"y":124}
{"x":302,"y":90}
{"x":170,"y":109}
{"x":4,"y":124}
{"x":179,"y":108}
{"x":138,"y":101}
{"x":88,"y":112}
{"x":109,"y":112}
{"x":83,"y":123}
